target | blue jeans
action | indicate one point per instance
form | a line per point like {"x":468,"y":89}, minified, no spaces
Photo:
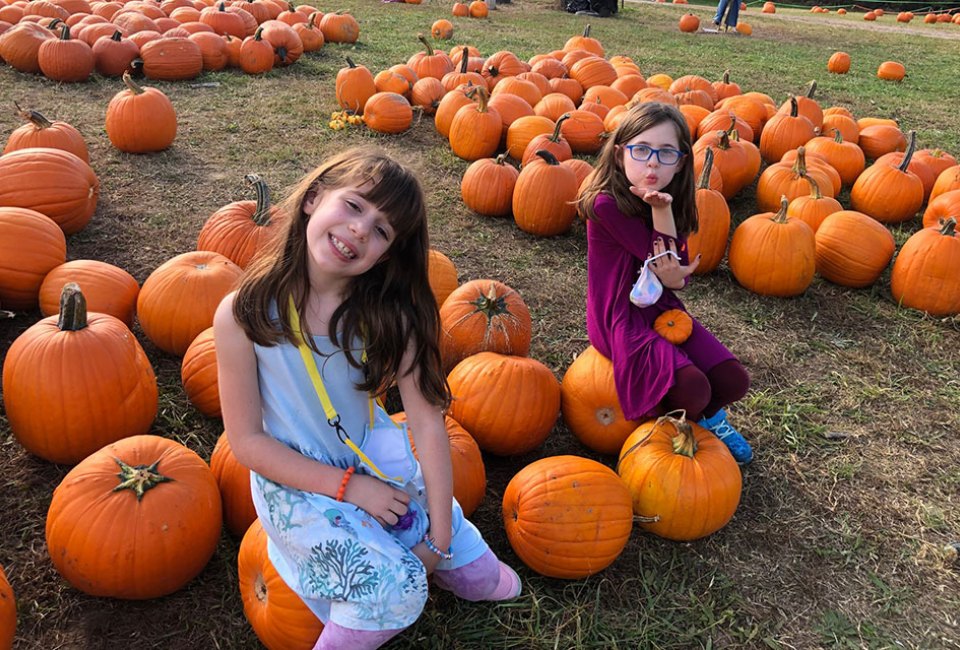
{"x":732,"y":14}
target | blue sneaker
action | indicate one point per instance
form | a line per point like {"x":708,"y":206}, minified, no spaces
{"x":739,"y":447}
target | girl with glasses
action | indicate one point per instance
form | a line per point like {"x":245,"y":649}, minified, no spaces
{"x":639,"y":203}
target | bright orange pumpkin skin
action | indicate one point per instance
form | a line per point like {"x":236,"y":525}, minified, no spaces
{"x":241,"y":229}
{"x":924,"y":275}
{"x":443,"y":276}
{"x":56,"y":381}
{"x":508,"y":404}
{"x":858,"y":265}
{"x":280,"y":619}
{"x":690,"y":496}
{"x":41,"y":132}
{"x":675,"y":325}
{"x":107,"y":288}
{"x":233,"y":480}
{"x":483,"y":316}
{"x":139,"y":548}
{"x":590,"y":406}
{"x":31,"y":245}
{"x":141,"y":119}
{"x":567,"y":517}
{"x":8,"y":612}
{"x":487,"y":186}
{"x":198,"y":373}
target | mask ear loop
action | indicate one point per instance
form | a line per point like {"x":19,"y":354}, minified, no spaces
{"x":658,"y":255}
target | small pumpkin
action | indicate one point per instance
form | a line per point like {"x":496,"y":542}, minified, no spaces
{"x":442,"y":30}
{"x":891,"y":71}
{"x":675,"y":325}
{"x":838,"y":63}
{"x":689,"y":23}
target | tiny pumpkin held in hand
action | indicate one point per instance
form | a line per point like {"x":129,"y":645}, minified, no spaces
{"x":675,"y":325}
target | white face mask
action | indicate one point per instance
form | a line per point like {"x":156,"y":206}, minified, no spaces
{"x":647,"y":289}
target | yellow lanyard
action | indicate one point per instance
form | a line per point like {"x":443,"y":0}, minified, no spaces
{"x":333,"y":418}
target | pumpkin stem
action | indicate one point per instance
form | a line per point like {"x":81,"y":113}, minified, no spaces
{"x":502,"y":158}
{"x":781,"y":216}
{"x":139,"y":479}
{"x":33,"y":116}
{"x":911,"y":147}
{"x":131,"y":84}
{"x":556,"y":130}
{"x":794,"y":106}
{"x":726,"y":76}
{"x":684,"y":443}
{"x":350,"y":62}
{"x":262,"y":216}
{"x":549,"y":157}
{"x":117,"y":36}
{"x":65,"y":32}
{"x":800,"y":164}
{"x":464,"y":60}
{"x":811,"y":89}
{"x":837,"y":136}
{"x":491,"y":305}
{"x":704,"y":181}
{"x":814,"y":187}
{"x":733,"y":124}
{"x":586,"y":31}
{"x":949,"y":227}
{"x":723,"y":140}
{"x":426,"y":43}
{"x":73,"y":308}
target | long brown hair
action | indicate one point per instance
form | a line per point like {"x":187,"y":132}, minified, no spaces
{"x":609,"y":178}
{"x":387,"y":307}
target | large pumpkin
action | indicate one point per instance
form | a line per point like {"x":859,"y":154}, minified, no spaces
{"x":8,"y":612}
{"x":31,"y":245}
{"x":233,"y":480}
{"x":508,"y":404}
{"x":280,"y":619}
{"x":483,"y":315}
{"x":51,"y":181}
{"x":140,"y":119}
{"x":354,"y":86}
{"x":168,"y":320}
{"x":198,"y":373}
{"x":590,"y":406}
{"x":107,"y":288}
{"x":544,"y":199}
{"x":713,"y":216}
{"x":487,"y":186}
{"x":75,"y":382}
{"x":889,"y":193}
{"x":925,"y":275}
{"x":388,"y":113}
{"x":241,"y":229}
{"x":852,"y":249}
{"x":137,"y":519}
{"x":567,"y":517}
{"x":684,"y":482}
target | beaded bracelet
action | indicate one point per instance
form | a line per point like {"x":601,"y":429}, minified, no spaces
{"x":433,"y":548}
{"x":344,"y":481}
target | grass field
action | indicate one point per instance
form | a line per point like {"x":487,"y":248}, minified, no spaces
{"x":853,"y":411}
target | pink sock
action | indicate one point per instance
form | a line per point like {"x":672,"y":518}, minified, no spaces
{"x":486,"y":578}
{"x":336,"y":637}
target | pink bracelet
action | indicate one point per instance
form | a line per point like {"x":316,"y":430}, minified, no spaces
{"x":433,"y":548}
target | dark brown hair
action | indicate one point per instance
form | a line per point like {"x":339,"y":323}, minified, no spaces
{"x":609,"y":178}
{"x":388,"y":307}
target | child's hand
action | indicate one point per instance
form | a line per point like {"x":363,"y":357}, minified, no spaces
{"x":668,"y":268}
{"x":653,"y":198}
{"x":383,"y":501}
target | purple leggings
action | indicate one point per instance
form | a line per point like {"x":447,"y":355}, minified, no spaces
{"x":475,"y":581}
{"x":703,"y":394}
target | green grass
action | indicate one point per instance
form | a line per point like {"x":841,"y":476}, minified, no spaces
{"x":853,"y":408}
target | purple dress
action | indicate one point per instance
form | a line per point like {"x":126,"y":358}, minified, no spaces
{"x":644,"y":363}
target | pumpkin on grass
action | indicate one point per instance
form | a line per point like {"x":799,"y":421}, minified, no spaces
{"x":59,"y":374}
{"x":483,"y":316}
{"x":713,"y":215}
{"x":852,"y":249}
{"x":31,"y":245}
{"x":241,"y":229}
{"x":508,"y":404}
{"x":544,"y":199}
{"x":924,"y":275}
{"x":278,"y":616}
{"x":198,"y":374}
{"x":590,"y":406}
{"x":567,"y":517}
{"x":488,"y":184}
{"x":233,"y":480}
{"x":354,"y":86}
{"x":41,"y":132}
{"x":8,"y":612}
{"x":137,"y":519}
{"x":889,"y":193}
{"x":388,"y":112}
{"x":107,"y":288}
{"x":675,"y":325}
{"x":442,"y":273}
{"x":140,"y":119}
{"x":684,"y":482}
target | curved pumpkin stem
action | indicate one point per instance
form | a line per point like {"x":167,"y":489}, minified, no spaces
{"x":723,"y":140}
{"x":350,"y":62}
{"x":949,"y":227}
{"x":464,"y":60}
{"x":781,"y":216}
{"x":794,"y":106}
{"x":38,"y":120}
{"x":703,"y":183}
{"x":586,"y":31}
{"x":131,"y":84}
{"x":811,"y":89}
{"x":726,"y":77}
{"x":800,"y":165}
{"x":426,"y":43}
{"x":911,"y":147}
{"x":556,"y":130}
{"x":837,"y":136}
{"x":547,"y":156}
{"x":73,"y":308}
{"x":684,"y":443}
{"x":139,"y":479}
{"x":262,"y":216}
{"x":814,"y":187}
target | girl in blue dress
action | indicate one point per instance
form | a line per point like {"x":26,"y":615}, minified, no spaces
{"x":337,"y":311}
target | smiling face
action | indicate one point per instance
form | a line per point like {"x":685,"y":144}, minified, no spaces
{"x":651,"y":174}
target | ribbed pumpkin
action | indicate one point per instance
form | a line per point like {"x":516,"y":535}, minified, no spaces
{"x":684,"y":482}
{"x":790,"y":180}
{"x":107,"y":289}
{"x":807,"y":106}
{"x":584,"y":42}
{"x":943,"y":207}
{"x":937,"y":160}
{"x":430,"y":62}
{"x":567,"y":517}
{"x":41,"y":132}
{"x":544,"y":197}
{"x":476,"y":128}
{"x":171,"y":59}
{"x":848,"y":127}
{"x":738,"y":161}
{"x":8,"y":612}
{"x":948,"y":180}
{"x":483,"y":315}
{"x":339,"y":27}
{"x":59,"y":374}
{"x":233,"y":480}
{"x":509,"y":404}
{"x":64,"y":59}
{"x":772,"y":255}
{"x":141,"y":532}
{"x":525,"y":129}
{"x":555,"y":143}
{"x":31,"y":245}
{"x":838,"y":63}
{"x":427,"y":93}
{"x":814,"y":207}
{"x":168,"y":320}
{"x":878,"y":139}
{"x":584,"y":131}
{"x":198,"y":374}
{"x":925,"y":274}
{"x":443,"y":276}
{"x":674,"y":325}
{"x":354,"y":86}
{"x":713,"y":217}
{"x":239,"y":230}
{"x":785,"y":131}
{"x":891,"y":71}
{"x":52,"y":182}
{"x":889,"y":194}
{"x":388,"y":113}
{"x":280,"y":619}
{"x":847,"y":158}
{"x":590,"y":406}
{"x":852,"y":249}
{"x":917,"y":166}
{"x":487,"y":186}
{"x":140,"y":119}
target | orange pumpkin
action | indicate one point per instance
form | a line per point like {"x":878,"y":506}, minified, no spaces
{"x":878,"y":139}
{"x":554,"y":143}
{"x":171,"y":59}
{"x":388,"y":113}
{"x":838,"y":63}
{"x":476,"y":128}
{"x":8,"y":612}
{"x":278,"y":616}
{"x":544,"y":199}
{"x":949,"y":179}
{"x":713,"y":216}
{"x":888,"y":193}
{"x":41,"y":132}
{"x":684,"y":482}
{"x":487,"y":186}
{"x":31,"y":245}
{"x":924,"y":274}
{"x":891,"y":71}
{"x":479,"y":9}
{"x":442,"y":29}
{"x":785,"y":131}
{"x":241,"y":229}
{"x":60,"y":372}
{"x":108,"y":289}
{"x":566,"y":516}
{"x":354,"y":86}
{"x":590,"y":406}
{"x":943,"y":207}
{"x":675,"y":325}
{"x":846,"y":157}
{"x":198,"y":374}
{"x":233,"y":480}
{"x":483,"y":315}
{"x":140,"y":119}
{"x":584,"y":42}
{"x":339,"y":27}
{"x":157,"y":521}
{"x":509,"y":404}
{"x":442,"y":275}
{"x":168,"y":320}
{"x":849,"y":265}
{"x":689,"y":23}
{"x":814,"y":207}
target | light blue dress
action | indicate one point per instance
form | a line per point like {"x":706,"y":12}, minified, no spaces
{"x":344,"y":565}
